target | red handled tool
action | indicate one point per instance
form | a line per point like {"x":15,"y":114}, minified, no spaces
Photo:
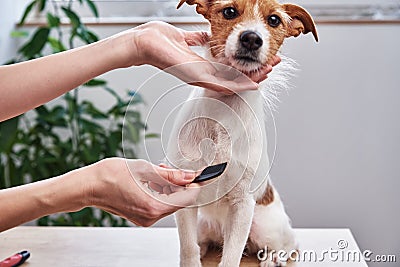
{"x":15,"y":260}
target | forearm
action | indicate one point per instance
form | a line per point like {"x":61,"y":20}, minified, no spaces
{"x":29,"y":84}
{"x":64,"y":193}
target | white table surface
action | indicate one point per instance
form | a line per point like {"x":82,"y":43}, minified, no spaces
{"x":147,"y":247}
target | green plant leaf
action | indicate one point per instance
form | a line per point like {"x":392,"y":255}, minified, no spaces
{"x":42,"y":4}
{"x":8,"y":134}
{"x":85,"y":35}
{"x":56,"y":45}
{"x":113,"y":93}
{"x":89,"y":126}
{"x":36,"y":44}
{"x":88,"y":108}
{"x":27,"y":10}
{"x":11,"y":61}
{"x":19,"y":34}
{"x":52,"y":118}
{"x":136,"y":97}
{"x":42,"y":110}
{"x":92,"y":36}
{"x":59,"y":138}
{"x":44,"y":221}
{"x":72,"y":110}
{"x":133,"y":132}
{"x":114,"y":142}
{"x":58,"y":112}
{"x":73,"y":17}
{"x":82,"y":217}
{"x":133,"y":115}
{"x":93,"y":8}
{"x":2,"y":175}
{"x":15,"y":179}
{"x":95,"y":82}
{"x":152,"y":135}
{"x":89,"y":155}
{"x":53,"y":21}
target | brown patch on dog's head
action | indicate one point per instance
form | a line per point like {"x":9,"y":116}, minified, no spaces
{"x":267,"y":197}
{"x":301,"y":21}
{"x":201,"y":5}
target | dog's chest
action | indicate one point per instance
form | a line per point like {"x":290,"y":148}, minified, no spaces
{"x":221,"y":128}
{"x":216,"y":212}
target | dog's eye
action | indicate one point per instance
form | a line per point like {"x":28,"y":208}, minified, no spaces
{"x":230,"y":13}
{"x":274,"y":21}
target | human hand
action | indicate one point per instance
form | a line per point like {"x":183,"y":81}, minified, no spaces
{"x":117,"y":189}
{"x":168,"y":48}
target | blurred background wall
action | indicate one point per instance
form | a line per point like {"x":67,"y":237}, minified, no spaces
{"x":338,"y":130}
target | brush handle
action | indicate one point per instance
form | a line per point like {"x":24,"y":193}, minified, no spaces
{"x":211,"y":172}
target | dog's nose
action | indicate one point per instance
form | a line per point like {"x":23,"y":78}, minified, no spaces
{"x":251,"y":40}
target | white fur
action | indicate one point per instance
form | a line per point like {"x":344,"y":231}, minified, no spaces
{"x":233,"y":39}
{"x":236,"y":126}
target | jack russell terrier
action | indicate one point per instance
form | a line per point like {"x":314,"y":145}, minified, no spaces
{"x":241,"y":209}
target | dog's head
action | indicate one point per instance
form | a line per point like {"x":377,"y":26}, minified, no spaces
{"x":247,"y":33}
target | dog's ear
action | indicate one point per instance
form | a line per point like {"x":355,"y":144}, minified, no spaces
{"x":201,"y":5}
{"x":301,"y":21}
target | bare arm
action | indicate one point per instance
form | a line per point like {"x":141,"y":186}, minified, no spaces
{"x":32,"y":83}
{"x":26,"y":85}
{"x":28,"y":202}
{"x":109,"y":185}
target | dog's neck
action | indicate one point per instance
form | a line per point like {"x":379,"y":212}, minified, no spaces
{"x":270,"y":89}
{"x":218,"y":61}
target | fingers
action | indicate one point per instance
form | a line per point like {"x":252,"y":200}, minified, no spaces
{"x":163,"y":165}
{"x":275,"y":61}
{"x":225,"y":86}
{"x":260,"y":75}
{"x":196,"y":38}
{"x":145,"y":171}
{"x":175,"y":176}
{"x":187,"y":175}
{"x":155,"y":187}
{"x":180,"y":199}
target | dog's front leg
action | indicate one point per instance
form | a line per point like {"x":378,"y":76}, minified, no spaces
{"x":186,"y":220}
{"x":237,"y":230}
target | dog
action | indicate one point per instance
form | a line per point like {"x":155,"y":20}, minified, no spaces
{"x":241,"y":210}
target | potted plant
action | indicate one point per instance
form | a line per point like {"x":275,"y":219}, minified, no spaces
{"x":73,"y":132}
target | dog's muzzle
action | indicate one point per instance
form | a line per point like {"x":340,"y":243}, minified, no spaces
{"x":250,"y":40}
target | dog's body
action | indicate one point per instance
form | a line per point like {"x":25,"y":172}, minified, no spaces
{"x":241,"y":208}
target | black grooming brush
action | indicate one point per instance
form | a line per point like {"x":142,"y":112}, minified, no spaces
{"x":210,"y":172}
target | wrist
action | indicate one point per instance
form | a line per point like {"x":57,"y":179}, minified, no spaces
{"x":99,"y":185}
{"x":92,"y":188}
{"x":125,"y":49}
{"x":75,"y":190}
{"x":59,"y":194}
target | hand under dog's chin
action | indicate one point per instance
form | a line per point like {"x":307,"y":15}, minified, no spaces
{"x":246,"y":67}
{"x":243,"y":65}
